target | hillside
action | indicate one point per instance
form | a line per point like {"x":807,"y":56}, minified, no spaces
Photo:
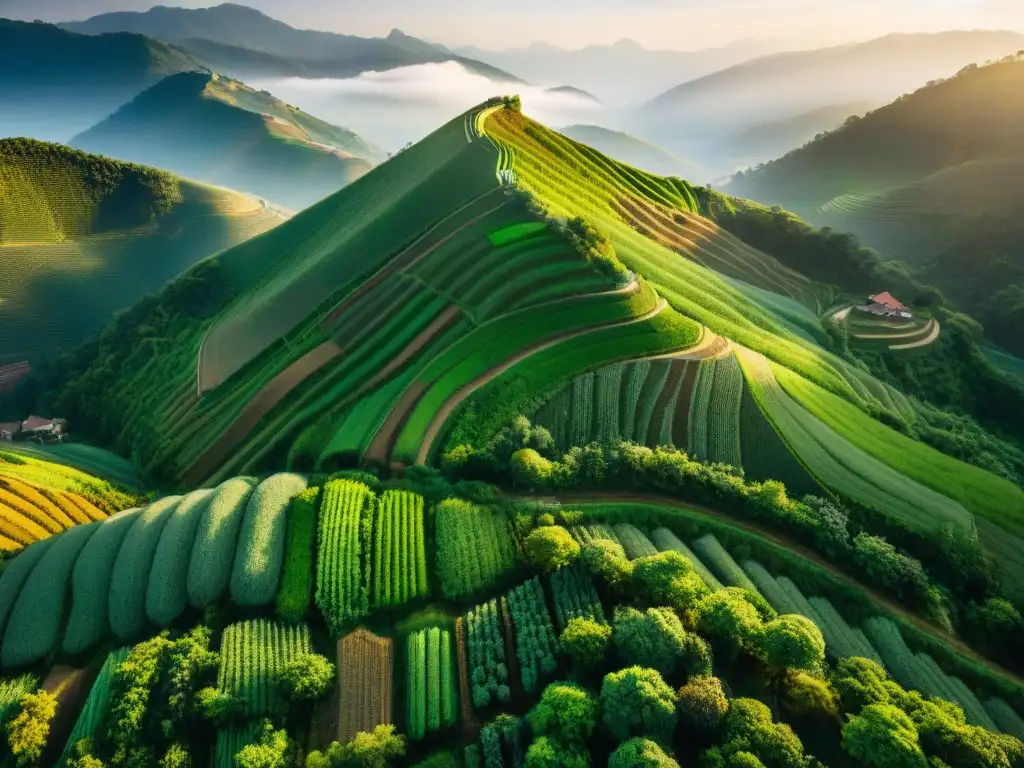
{"x":82,"y":237}
{"x":250,"y":32}
{"x":782,"y":86}
{"x":739,"y":513}
{"x":55,"y":84}
{"x":933,"y":179}
{"x":632,"y":151}
{"x":223,"y":132}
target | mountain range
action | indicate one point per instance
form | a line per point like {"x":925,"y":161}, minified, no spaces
{"x":241,"y":41}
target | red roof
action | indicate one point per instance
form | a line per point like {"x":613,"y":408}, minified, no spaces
{"x":886,"y":298}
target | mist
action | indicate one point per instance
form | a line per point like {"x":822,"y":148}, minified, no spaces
{"x":401,"y":105}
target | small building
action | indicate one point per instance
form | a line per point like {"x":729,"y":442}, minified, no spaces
{"x":8,"y":430}
{"x":885,"y":305}
{"x":43,"y":430}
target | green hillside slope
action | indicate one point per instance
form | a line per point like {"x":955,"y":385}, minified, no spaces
{"x":933,"y":179}
{"x":632,"y":150}
{"x":221,"y":131}
{"x":82,"y":237}
{"x":55,"y":84}
{"x":347,"y":335}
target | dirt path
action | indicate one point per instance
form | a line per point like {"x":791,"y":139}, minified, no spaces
{"x":581,"y":500}
{"x":842,"y":314}
{"x":924,"y":329}
{"x":456,"y":399}
{"x":710,"y":346}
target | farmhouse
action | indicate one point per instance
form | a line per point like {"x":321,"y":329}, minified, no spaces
{"x":884,"y":305}
{"x":43,"y":430}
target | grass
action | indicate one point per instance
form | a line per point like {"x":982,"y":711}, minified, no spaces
{"x":66,"y":231}
{"x":979,"y":491}
{"x":88,"y":459}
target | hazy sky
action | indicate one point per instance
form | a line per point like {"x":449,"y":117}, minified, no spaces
{"x":678,"y":24}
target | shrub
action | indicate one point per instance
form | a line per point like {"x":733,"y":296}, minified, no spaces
{"x":882,"y":736}
{"x":668,"y":578}
{"x":657,"y":639}
{"x":551,"y":547}
{"x":567,"y":713}
{"x":586,"y":641}
{"x":728,"y":619}
{"x":307,"y":677}
{"x":640,"y":753}
{"x":701,"y":704}
{"x":637,"y":702}
{"x":28,"y":731}
{"x":791,"y":642}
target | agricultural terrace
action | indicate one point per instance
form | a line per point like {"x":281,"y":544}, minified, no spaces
{"x":499,"y":655}
{"x":65,"y":230}
{"x":552,"y":167}
{"x":474,"y":545}
{"x":39,"y":498}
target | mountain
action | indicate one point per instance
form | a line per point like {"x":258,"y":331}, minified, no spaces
{"x":767,"y":141}
{"x":82,"y":237}
{"x":223,"y":132}
{"x":235,"y":36}
{"x":934,"y":179}
{"x":633,"y":151}
{"x":784,"y":85}
{"x":622,"y":73}
{"x":55,"y":84}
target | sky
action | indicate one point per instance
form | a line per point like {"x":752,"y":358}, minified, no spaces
{"x":669,"y":24}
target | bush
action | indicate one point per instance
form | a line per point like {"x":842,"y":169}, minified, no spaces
{"x":882,"y":736}
{"x":637,"y":702}
{"x":728,"y":620}
{"x":668,"y":578}
{"x":791,"y":642}
{"x":657,"y":639}
{"x":607,"y":560}
{"x":586,"y":641}
{"x":27,"y":733}
{"x":529,"y":469}
{"x":548,"y":753}
{"x":566,"y":713}
{"x":550,"y":547}
{"x":307,"y":678}
{"x":701,"y":704}
{"x":640,"y":753}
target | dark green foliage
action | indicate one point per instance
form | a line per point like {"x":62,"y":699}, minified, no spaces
{"x":656,"y":639}
{"x":486,"y":651}
{"x":565,"y":713}
{"x":668,"y":578}
{"x":791,"y":642}
{"x":550,"y":547}
{"x":607,"y":561}
{"x":586,"y":641}
{"x":548,"y":753}
{"x":295,"y":595}
{"x":637,"y":702}
{"x":882,"y":736}
{"x":748,"y":727}
{"x":701,"y":704}
{"x":536,"y":643}
{"x":728,"y":620}
{"x":640,"y":753}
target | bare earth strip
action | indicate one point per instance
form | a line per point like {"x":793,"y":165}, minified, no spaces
{"x":931,"y":337}
{"x":675,"y":375}
{"x":922,"y":331}
{"x":275,"y":391}
{"x":457,"y":398}
{"x":710,"y":346}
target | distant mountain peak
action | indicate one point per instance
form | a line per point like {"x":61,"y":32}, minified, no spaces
{"x":626,"y":44}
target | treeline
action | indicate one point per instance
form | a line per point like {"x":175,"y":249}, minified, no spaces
{"x":945,"y":576}
{"x":122,"y":194}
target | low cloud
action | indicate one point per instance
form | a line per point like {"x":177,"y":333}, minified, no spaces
{"x":393,"y":107}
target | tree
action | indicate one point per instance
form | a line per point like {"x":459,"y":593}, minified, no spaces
{"x":221,"y":708}
{"x":548,"y":753}
{"x":586,"y":641}
{"x":637,"y":702}
{"x":701,"y":704}
{"x":805,"y":694}
{"x":640,"y":753}
{"x":177,"y":756}
{"x":551,"y":547}
{"x":668,"y":578}
{"x":274,"y":750}
{"x":657,"y":639}
{"x":373,"y":749}
{"x":860,"y":682}
{"x":607,"y":560}
{"x":791,"y":642}
{"x":748,"y":727}
{"x":882,"y":736}
{"x":728,"y":619}
{"x":307,"y":677}
{"x":28,"y":731}
{"x":566,"y":712}
{"x":529,"y":469}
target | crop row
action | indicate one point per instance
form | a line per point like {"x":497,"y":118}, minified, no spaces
{"x":253,"y":654}
{"x":697,"y":438}
{"x":431,"y":697}
{"x":588,"y":533}
{"x":536,"y":643}
{"x":575,"y":596}
{"x":488,"y":669}
{"x":474,"y":547}
{"x":296,"y":593}
{"x":609,"y":383}
{"x":723,"y":412}
{"x":399,"y":557}
{"x":345,"y":517}
{"x":713,"y":554}
{"x":582,"y":409}
{"x":634,"y":541}
{"x":97,"y":704}
{"x":635,"y":378}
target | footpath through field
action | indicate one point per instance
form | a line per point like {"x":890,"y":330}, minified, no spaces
{"x":580,"y":500}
